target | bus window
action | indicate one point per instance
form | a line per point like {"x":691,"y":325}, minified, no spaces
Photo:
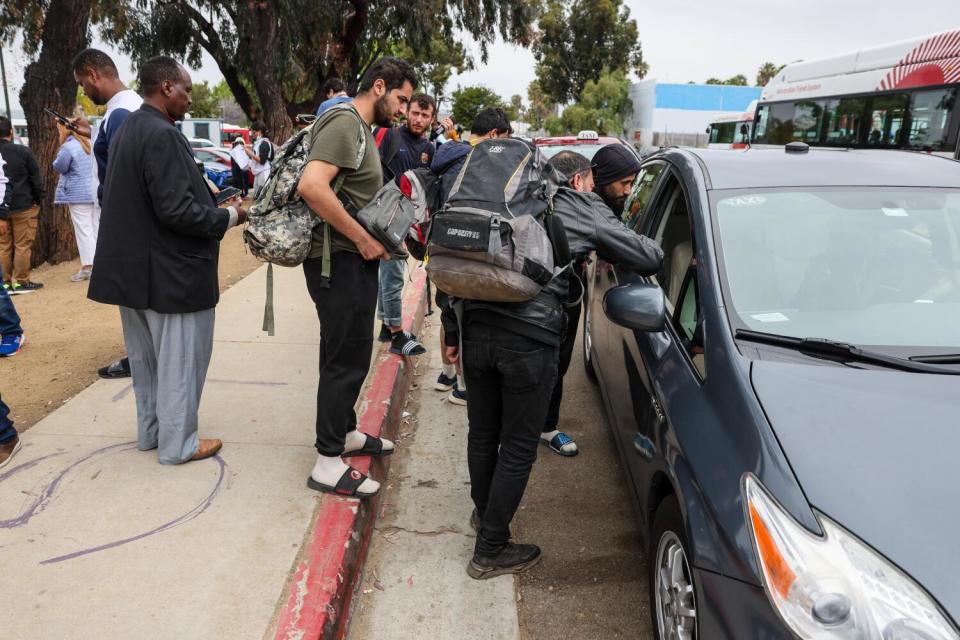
{"x":763,"y":114}
{"x":780,"y":129}
{"x":886,"y":120}
{"x":930,"y":120}
{"x":843,"y":119}
{"x":807,"y":118}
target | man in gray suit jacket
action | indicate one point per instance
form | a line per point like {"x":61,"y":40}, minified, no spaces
{"x":157,"y":254}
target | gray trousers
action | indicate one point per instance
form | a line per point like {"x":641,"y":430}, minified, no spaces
{"x":169,"y":355}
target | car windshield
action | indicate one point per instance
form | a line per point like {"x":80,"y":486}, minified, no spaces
{"x":867,"y":266}
{"x":586,"y":150}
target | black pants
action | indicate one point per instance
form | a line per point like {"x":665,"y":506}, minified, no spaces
{"x":346,"y":310}
{"x":510,"y":378}
{"x":239,"y":179}
{"x":566,"y":353}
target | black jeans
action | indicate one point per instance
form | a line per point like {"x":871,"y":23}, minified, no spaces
{"x":510,"y":378}
{"x":566,"y":353}
{"x":346,"y":310}
{"x":239,"y":178}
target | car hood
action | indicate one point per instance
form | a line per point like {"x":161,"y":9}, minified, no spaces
{"x":879,"y":453}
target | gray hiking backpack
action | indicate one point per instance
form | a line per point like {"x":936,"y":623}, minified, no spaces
{"x":392,"y":214}
{"x":490,"y":241}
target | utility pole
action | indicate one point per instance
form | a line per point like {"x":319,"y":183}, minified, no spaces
{"x":3,"y":77}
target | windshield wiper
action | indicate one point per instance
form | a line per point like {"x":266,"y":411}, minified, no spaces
{"x":842,"y":352}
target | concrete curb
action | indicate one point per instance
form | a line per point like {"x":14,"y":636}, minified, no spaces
{"x":315,"y":604}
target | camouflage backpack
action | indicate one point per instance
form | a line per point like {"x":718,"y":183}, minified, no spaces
{"x":280,"y":224}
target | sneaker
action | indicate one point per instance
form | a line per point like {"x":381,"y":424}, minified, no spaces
{"x":118,"y":369}
{"x":11,"y":345}
{"x":513,"y":558}
{"x":445,"y":383}
{"x":8,"y":450}
{"x":26,"y":287}
{"x":458,"y":396}
{"x":404,"y":344}
{"x":80,"y":276}
{"x":385,"y":334}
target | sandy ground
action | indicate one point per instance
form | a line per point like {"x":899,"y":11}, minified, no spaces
{"x":69,"y":337}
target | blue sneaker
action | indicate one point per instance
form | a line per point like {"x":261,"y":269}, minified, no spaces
{"x":11,"y":345}
{"x":445,"y":383}
{"x":458,"y":396}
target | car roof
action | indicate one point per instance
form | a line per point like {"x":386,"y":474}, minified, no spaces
{"x":773,"y":167}
{"x":558,"y":140}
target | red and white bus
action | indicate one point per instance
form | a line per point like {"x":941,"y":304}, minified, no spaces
{"x":732,"y":131}
{"x":896,"y":96}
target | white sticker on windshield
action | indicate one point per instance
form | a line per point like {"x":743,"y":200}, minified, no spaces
{"x":894,"y":212}
{"x":744,"y":201}
{"x":770,"y":317}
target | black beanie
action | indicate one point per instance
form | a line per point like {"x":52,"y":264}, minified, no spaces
{"x":613,"y":162}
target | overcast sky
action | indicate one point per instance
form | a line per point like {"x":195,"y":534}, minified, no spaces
{"x":687,"y":40}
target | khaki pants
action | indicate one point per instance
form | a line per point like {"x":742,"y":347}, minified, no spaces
{"x":17,"y":244}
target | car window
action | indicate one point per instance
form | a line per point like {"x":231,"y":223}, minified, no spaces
{"x":687,"y":320}
{"x":674,"y":236}
{"x":639,"y":198}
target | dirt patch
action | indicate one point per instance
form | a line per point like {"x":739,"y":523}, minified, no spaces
{"x":69,"y":337}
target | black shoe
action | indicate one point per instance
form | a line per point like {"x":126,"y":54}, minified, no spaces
{"x":385,"y":334}
{"x":118,"y":369}
{"x":513,"y":558}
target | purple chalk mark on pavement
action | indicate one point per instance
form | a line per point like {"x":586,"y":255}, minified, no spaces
{"x":255,"y":383}
{"x":188,"y":516}
{"x":40,"y":502}
{"x":27,"y":465}
{"x":123,"y":393}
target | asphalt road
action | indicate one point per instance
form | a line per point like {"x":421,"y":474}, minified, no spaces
{"x":591,"y":583}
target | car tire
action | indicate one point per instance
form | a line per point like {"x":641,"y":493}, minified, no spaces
{"x":587,"y":341}
{"x":671,"y":604}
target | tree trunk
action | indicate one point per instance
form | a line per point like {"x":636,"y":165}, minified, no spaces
{"x":49,"y":83}
{"x":263,"y":70}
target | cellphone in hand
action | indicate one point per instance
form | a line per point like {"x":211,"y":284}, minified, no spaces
{"x":227,"y":194}
{"x":64,"y":120}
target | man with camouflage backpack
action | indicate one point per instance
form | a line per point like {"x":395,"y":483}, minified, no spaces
{"x":343,"y":174}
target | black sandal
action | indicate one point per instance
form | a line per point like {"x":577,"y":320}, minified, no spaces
{"x":346,"y":486}
{"x":372,"y":447}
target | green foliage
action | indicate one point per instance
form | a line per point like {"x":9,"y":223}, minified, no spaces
{"x":205,"y":102}
{"x":87,"y":106}
{"x":767,"y":72}
{"x":436,"y":63}
{"x":540,"y":107}
{"x":738,"y":80}
{"x":578,"y":38}
{"x":469,"y":101}
{"x":603,"y":107}
{"x":515,"y":108}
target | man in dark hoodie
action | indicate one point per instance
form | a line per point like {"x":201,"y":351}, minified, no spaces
{"x":615,"y":167}
{"x":447,"y":162}
{"x":510,"y":358}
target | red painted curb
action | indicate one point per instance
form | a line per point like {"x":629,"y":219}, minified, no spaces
{"x":317,"y":598}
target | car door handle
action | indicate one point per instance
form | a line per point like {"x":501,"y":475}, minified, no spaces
{"x":644,"y":446}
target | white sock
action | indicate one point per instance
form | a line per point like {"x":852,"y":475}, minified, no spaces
{"x":449,"y":370}
{"x":356,"y":439}
{"x":329,"y":469}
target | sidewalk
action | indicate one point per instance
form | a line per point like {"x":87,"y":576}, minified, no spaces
{"x":415,"y":584}
{"x":98,"y":540}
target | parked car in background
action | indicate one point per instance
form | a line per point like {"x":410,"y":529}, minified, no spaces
{"x":202,"y":143}
{"x":586,"y":143}
{"x":784,"y":392}
{"x":218,"y":160}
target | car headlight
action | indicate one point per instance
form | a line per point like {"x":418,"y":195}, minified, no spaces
{"x":835,"y":586}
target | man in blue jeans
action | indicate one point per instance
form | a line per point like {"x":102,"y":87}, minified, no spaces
{"x":401,"y":149}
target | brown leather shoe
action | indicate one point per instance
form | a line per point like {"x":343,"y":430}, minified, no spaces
{"x":206,"y":448}
{"x":8,"y":450}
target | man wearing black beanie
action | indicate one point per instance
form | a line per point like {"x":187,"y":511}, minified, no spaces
{"x":615,"y":167}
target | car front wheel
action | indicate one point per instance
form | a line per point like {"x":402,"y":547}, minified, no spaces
{"x":672,"y":587}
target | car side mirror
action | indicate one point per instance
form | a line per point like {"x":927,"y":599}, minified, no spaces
{"x":640,"y":306}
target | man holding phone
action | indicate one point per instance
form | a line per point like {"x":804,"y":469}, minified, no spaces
{"x":97,"y":75}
